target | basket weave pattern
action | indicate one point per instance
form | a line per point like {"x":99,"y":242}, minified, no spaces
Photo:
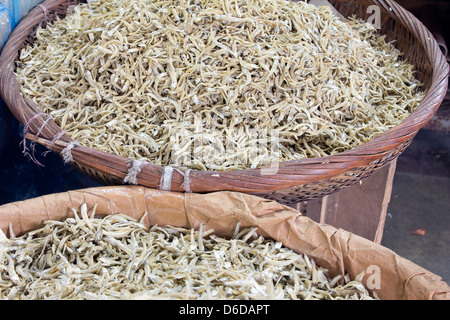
{"x":295,"y":181}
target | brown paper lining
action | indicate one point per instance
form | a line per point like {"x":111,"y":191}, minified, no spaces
{"x":337,"y":250}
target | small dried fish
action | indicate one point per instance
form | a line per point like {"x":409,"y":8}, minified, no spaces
{"x":118,"y":257}
{"x":216,"y":85}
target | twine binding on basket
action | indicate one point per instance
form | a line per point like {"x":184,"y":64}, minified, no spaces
{"x":67,"y":153}
{"x":166,"y":179}
{"x":44,"y":9}
{"x":186,"y":181}
{"x":57,"y":137}
{"x":134,"y":169}
{"x":25,"y":150}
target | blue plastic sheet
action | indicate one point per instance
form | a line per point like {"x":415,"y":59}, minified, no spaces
{"x":11,"y":12}
{"x":19,"y":8}
{"x":6,"y":25}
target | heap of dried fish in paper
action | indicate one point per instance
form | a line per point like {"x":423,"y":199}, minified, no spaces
{"x":118,"y":257}
{"x":216,"y":84}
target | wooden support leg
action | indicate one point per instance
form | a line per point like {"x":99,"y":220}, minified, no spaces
{"x":360,"y":209}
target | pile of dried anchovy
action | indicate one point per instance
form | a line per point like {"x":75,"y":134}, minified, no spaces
{"x":117,"y":257}
{"x":216,"y":85}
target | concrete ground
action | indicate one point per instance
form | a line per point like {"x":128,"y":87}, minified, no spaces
{"x":421,"y":199}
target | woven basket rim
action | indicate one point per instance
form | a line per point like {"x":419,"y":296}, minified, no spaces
{"x":245,"y":180}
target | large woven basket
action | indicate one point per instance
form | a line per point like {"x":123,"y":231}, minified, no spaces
{"x":387,"y":274}
{"x":294,"y":181}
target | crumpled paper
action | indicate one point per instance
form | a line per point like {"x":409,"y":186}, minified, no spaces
{"x":386,"y":273}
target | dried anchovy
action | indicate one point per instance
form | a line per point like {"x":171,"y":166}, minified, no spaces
{"x":207,"y":84}
{"x":117,"y":257}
